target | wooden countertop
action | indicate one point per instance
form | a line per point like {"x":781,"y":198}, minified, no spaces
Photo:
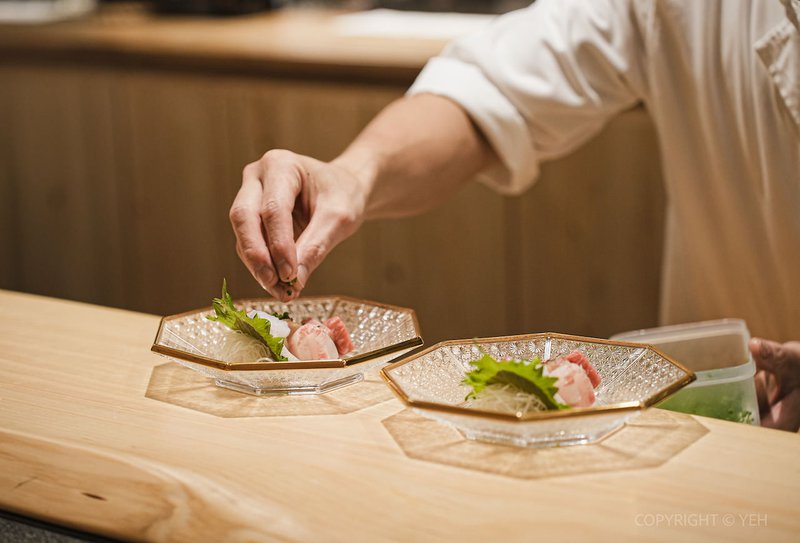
{"x":98,"y":433}
{"x":297,"y":42}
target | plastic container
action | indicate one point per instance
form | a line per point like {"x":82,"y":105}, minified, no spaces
{"x":717,"y":352}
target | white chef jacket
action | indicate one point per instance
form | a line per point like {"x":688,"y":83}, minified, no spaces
{"x":721,"y":81}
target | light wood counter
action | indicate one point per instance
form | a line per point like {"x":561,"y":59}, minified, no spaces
{"x":298,"y":42}
{"x":125,"y":134}
{"x":99,"y":434}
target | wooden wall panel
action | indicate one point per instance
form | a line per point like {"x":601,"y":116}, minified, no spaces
{"x":9,"y":237}
{"x":61,"y":169}
{"x":121,"y":183}
{"x":180,"y":180}
{"x":450,"y":264}
{"x":590,"y":236}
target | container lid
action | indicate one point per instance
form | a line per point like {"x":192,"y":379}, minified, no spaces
{"x":715,"y":350}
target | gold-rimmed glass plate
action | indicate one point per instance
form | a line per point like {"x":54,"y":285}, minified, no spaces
{"x":379,"y":333}
{"x":633,"y":377}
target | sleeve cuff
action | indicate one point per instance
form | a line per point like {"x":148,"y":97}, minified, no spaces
{"x":499,"y":121}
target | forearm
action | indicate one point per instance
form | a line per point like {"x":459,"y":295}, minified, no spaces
{"x":414,"y":155}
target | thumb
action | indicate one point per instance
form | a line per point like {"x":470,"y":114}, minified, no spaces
{"x":781,"y":358}
{"x":325,"y":230}
{"x":767,"y":354}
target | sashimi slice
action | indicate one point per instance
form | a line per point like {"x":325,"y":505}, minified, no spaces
{"x":340,"y":335}
{"x":312,"y":341}
{"x":577,"y":357}
{"x":574,"y":387}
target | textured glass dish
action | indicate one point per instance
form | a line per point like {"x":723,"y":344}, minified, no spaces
{"x":634,"y":377}
{"x":378,"y":331}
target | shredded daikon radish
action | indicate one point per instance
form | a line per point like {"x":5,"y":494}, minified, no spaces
{"x":506,"y":398}
{"x":239,"y":347}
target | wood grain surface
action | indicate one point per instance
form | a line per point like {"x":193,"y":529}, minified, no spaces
{"x":124,"y":138}
{"x":83,"y":444}
{"x":118,"y":187}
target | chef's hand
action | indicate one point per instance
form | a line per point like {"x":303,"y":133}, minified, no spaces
{"x":292,"y":209}
{"x":289,"y":213}
{"x":778,"y":382}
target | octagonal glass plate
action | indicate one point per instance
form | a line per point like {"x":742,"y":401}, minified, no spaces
{"x":633,"y":377}
{"x":378,"y":331}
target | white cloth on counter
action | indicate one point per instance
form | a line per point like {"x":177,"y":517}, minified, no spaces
{"x":721,"y":81}
{"x":409,"y":24}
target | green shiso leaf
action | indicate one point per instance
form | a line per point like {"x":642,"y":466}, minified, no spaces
{"x":526,"y":376}
{"x":237,"y":319}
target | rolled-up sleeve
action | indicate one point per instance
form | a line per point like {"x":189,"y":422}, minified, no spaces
{"x":540,"y":81}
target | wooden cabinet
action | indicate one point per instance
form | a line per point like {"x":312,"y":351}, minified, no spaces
{"x":122,"y":151}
